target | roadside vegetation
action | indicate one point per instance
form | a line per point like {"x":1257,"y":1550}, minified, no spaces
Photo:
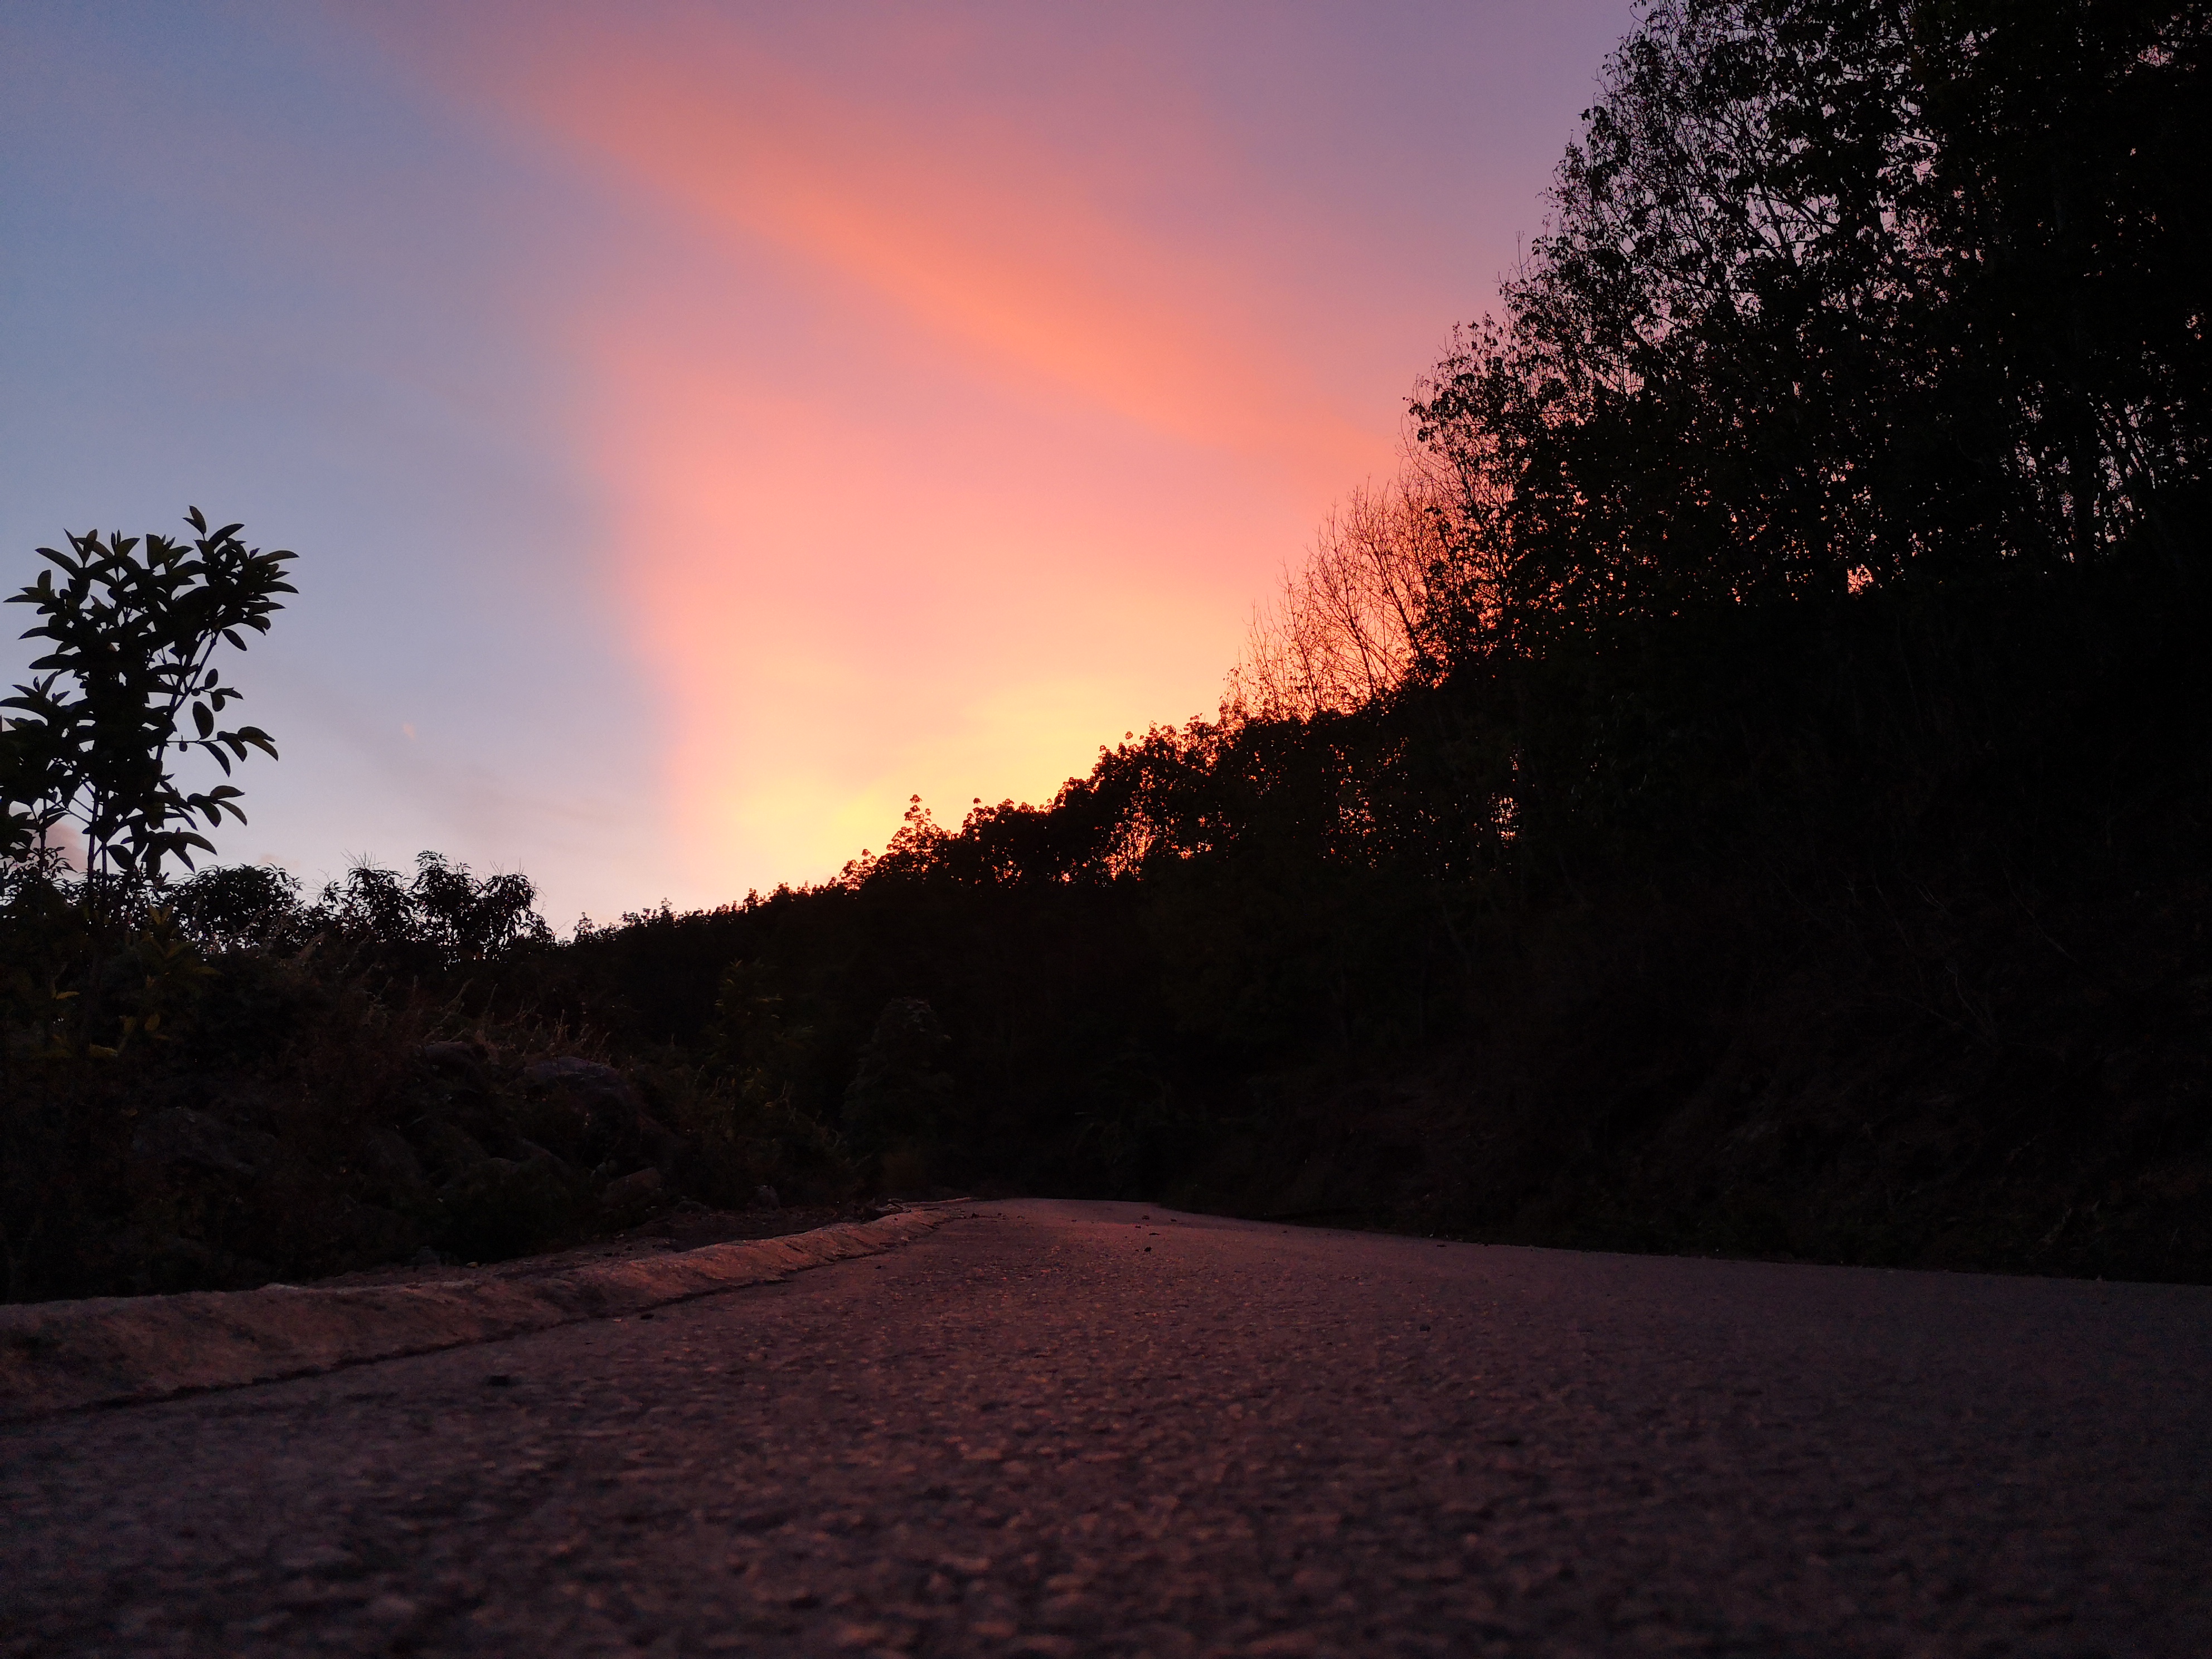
{"x":1743,"y":786}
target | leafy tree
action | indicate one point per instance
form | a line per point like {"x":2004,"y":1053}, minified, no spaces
{"x":445,"y":917}
{"x":232,"y":906}
{"x":134,"y":633}
{"x":474,"y":918}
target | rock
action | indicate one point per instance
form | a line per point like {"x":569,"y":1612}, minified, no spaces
{"x":476,"y":1178}
{"x":588,"y":1112}
{"x":346,"y":1234}
{"x":659,"y":1144}
{"x":467,"y":1064}
{"x":634,"y":1193}
{"x":455,"y":1082}
{"x":578,"y":1075}
{"x":764,"y":1198}
{"x":426,"y":1257}
{"x":529,"y":1152}
{"x":498,"y":1207}
{"x":452,"y":1151}
{"x":389,"y":1161}
{"x":181,"y":1135}
{"x":466,"y":1055}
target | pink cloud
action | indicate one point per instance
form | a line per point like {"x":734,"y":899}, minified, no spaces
{"x":976,"y":228}
{"x":957,"y":387}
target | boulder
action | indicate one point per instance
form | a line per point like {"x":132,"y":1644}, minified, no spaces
{"x":500,"y":1206}
{"x":461,"y":1071}
{"x":456,"y":1082}
{"x":451,"y":1150}
{"x":349,"y":1234}
{"x":659,"y":1146}
{"x":389,"y":1162}
{"x":461,"y":1062}
{"x":180,"y":1135}
{"x":588,"y":1112}
{"x":635,"y":1194}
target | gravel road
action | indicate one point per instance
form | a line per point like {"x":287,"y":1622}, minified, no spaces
{"x":1058,"y":1429}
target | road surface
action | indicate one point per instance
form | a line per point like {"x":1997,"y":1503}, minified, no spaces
{"x":1059,"y":1429}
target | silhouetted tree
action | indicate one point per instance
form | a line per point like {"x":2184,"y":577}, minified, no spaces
{"x":133,"y":635}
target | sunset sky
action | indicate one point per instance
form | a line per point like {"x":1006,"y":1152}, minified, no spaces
{"x":704,"y":425}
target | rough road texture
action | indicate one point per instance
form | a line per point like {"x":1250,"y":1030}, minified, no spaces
{"x":1059,"y":1429}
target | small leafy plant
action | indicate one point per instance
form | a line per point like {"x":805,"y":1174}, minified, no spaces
{"x":134,"y":635}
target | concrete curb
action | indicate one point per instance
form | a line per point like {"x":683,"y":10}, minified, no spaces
{"x":63,"y":1356}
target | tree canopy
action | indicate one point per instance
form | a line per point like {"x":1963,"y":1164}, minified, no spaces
{"x":1839,"y":295}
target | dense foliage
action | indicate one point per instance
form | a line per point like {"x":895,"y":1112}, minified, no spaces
{"x":293,"y":1088}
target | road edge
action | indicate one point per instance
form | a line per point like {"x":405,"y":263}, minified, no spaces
{"x":66,"y":1356}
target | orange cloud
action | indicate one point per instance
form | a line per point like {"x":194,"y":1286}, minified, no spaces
{"x":970,"y":226}
{"x":936,"y":446}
